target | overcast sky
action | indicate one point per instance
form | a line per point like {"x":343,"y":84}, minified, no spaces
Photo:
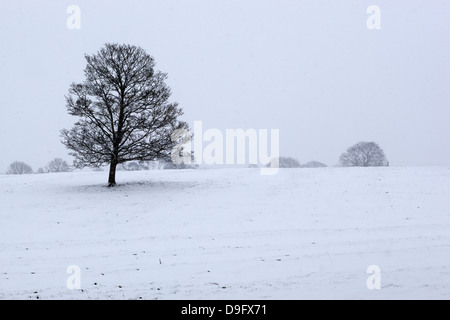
{"x":309,"y":68}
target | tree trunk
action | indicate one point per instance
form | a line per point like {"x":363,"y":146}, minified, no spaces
{"x":112,"y":174}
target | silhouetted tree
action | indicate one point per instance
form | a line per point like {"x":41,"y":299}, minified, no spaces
{"x":18,"y":167}
{"x":363,"y":154}
{"x":123,"y":109}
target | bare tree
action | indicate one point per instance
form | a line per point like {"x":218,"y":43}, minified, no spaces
{"x":287,"y":162}
{"x":363,"y":154}
{"x":42,"y":170}
{"x":123,"y":109}
{"x":58,"y":165}
{"x":18,"y":167}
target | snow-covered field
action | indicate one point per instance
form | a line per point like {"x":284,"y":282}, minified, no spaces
{"x":227,"y":234}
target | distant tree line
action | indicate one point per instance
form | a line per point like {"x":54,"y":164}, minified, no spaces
{"x":56,"y":165}
{"x":155,"y":165}
{"x":362,"y":154}
{"x":289,"y":162}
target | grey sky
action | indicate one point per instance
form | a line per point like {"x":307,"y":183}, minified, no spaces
{"x":309,"y":68}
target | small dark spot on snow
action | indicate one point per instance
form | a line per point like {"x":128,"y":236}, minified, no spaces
{"x":120,"y":287}
{"x":224,"y":287}
{"x":33,"y":272}
{"x":95,"y":283}
{"x":278,"y":259}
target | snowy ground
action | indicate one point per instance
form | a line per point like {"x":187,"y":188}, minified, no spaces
{"x":227,"y":234}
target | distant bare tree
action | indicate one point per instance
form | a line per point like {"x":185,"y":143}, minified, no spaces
{"x":131,"y":166}
{"x":42,"y":170}
{"x":135,"y":166}
{"x":314,"y":164}
{"x":171,"y":165}
{"x":287,"y":162}
{"x":18,"y":167}
{"x":123,"y":111}
{"x":156,"y":165}
{"x":363,"y":154}
{"x":58,"y":165}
